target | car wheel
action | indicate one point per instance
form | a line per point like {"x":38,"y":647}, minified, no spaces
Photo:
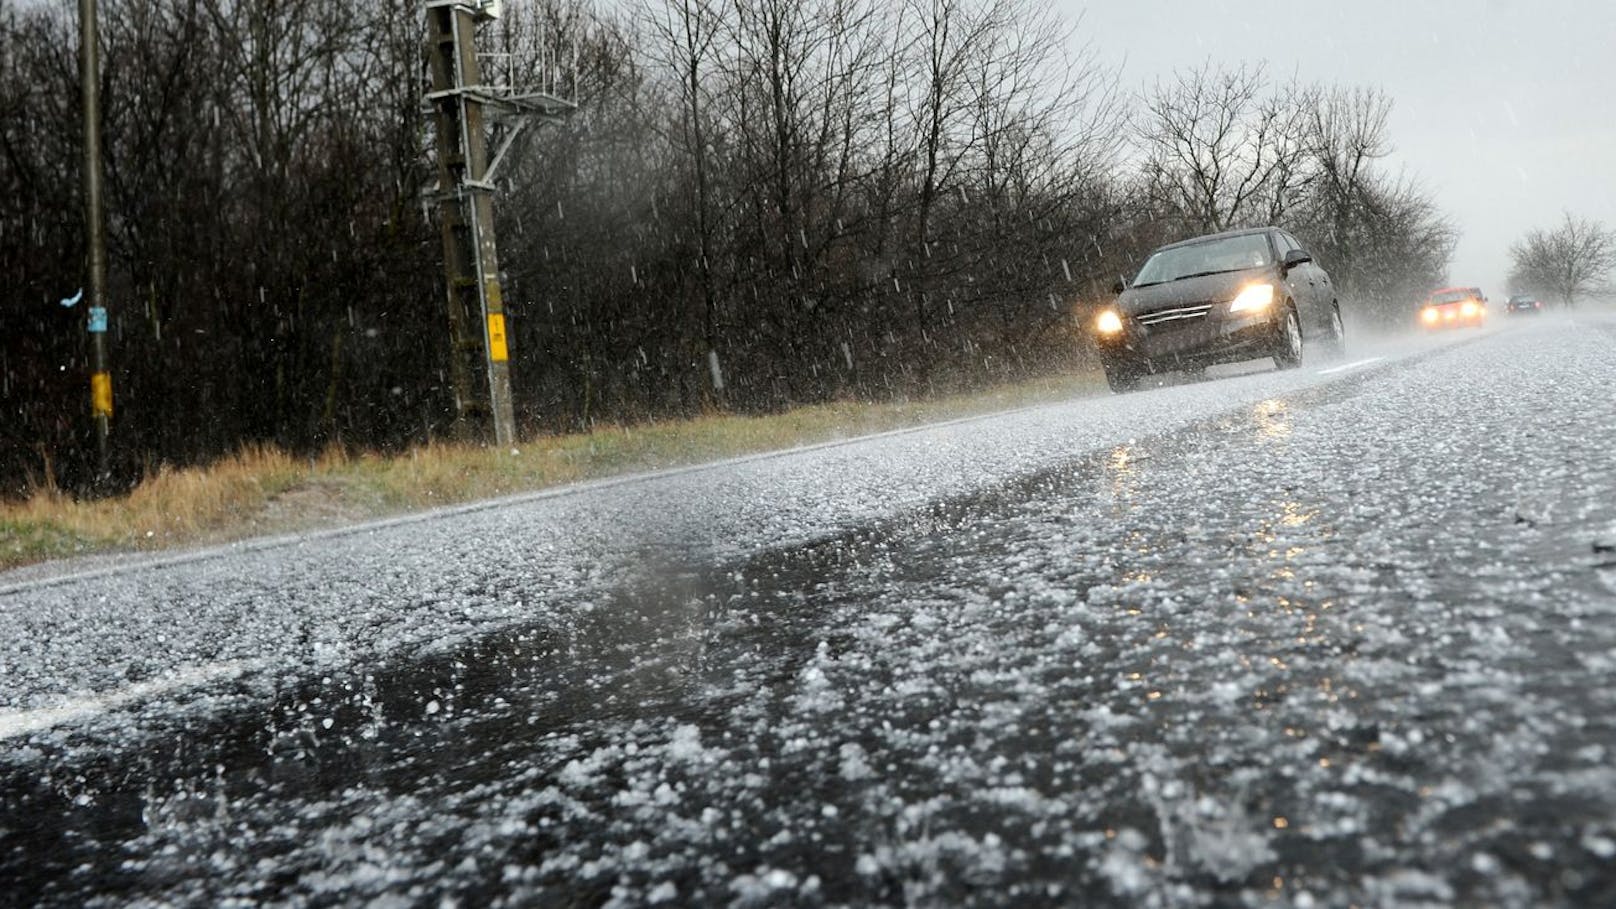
{"x":1335,"y":346}
{"x":1121,"y":379}
{"x":1288,"y":354}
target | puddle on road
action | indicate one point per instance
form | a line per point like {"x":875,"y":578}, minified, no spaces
{"x":456,"y":717}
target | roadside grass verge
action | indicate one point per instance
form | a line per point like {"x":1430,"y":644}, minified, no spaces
{"x":263,"y":490}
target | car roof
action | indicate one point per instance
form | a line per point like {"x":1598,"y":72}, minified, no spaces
{"x":1239,"y":232}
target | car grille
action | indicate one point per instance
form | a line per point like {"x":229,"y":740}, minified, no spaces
{"x":1178,"y":314}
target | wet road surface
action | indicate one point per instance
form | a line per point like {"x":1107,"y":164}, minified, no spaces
{"x":1280,"y":639}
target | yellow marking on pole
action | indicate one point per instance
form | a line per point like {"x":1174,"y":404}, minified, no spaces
{"x":497,"y":351}
{"x":101,"y":394}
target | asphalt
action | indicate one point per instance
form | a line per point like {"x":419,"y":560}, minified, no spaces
{"x":1325,"y":637}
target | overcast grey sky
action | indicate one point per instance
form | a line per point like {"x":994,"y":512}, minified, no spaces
{"x":1505,"y":110}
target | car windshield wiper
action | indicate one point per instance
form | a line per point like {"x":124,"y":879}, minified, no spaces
{"x":1198,"y":274}
{"x":1215,"y":271}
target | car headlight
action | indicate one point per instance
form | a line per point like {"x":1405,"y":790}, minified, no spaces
{"x":1468,"y":309}
{"x":1430,"y":315}
{"x":1109,"y":323}
{"x":1254,"y":298}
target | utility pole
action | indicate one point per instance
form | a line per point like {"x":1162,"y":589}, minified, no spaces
{"x":462,"y":105}
{"x":94,"y":225}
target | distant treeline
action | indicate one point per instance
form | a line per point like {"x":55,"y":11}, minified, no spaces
{"x":806,"y":199}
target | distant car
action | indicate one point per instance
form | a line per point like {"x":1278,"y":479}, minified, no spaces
{"x":1240,"y":295}
{"x":1454,"y":307}
{"x":1523,"y":304}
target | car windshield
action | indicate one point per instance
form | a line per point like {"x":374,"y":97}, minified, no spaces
{"x":1235,"y":253}
{"x":1451,"y":296}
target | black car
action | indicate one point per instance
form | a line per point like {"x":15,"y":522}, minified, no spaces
{"x":1523,"y":304}
{"x":1240,"y":295}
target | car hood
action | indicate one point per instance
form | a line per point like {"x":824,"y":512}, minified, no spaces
{"x":1219,"y":288}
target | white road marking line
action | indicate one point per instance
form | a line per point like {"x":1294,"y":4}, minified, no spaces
{"x":15,"y":723}
{"x":1346,"y":366}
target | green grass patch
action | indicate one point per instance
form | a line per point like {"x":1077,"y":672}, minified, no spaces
{"x":28,"y":541}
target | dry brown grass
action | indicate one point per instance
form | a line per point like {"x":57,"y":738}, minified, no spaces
{"x":172,"y":505}
{"x":262,"y":490}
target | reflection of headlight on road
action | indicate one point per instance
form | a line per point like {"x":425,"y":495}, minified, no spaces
{"x":1109,"y":323}
{"x":1253,"y":299}
{"x":1429,"y":315}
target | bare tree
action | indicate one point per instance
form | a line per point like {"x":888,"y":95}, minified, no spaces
{"x":950,"y":36}
{"x":685,"y":35}
{"x":1225,"y":147}
{"x":1403,"y":247}
{"x":1351,"y":213}
{"x":1347,"y":135}
{"x":1570,"y":261}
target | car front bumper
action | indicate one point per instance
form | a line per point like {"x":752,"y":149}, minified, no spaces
{"x":1451,"y":316}
{"x":1212,"y":339}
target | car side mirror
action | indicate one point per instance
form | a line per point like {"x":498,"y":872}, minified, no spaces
{"x":1296,"y":257}
{"x":1120,"y":286}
